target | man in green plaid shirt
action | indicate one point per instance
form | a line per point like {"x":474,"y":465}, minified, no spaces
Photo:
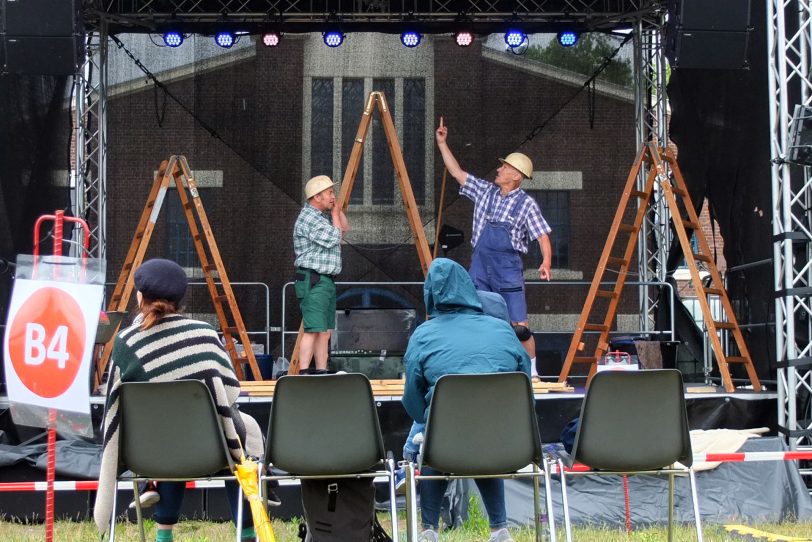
{"x":317,"y":243}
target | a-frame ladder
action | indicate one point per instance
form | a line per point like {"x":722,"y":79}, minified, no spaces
{"x":377,"y":99}
{"x":617,"y":266}
{"x":177,"y":170}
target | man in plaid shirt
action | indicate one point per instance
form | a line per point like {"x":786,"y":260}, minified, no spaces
{"x":317,"y":244}
{"x":506,"y":220}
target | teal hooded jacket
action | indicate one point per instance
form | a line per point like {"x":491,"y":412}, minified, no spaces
{"x":458,"y":338}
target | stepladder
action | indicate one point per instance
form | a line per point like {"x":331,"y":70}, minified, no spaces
{"x":377,"y":101}
{"x":590,"y":341}
{"x":175,"y":173}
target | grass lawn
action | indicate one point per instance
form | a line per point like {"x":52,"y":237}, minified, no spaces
{"x":474,"y":530}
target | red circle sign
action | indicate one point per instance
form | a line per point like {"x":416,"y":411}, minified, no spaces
{"x":47,"y":341}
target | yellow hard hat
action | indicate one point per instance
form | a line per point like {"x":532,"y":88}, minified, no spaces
{"x":521,"y":162}
{"x":317,"y":184}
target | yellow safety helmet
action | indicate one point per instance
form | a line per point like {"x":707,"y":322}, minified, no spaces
{"x":521,"y":162}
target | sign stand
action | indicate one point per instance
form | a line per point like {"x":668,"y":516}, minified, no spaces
{"x":58,"y":218}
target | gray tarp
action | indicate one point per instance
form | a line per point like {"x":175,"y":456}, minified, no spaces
{"x":763,"y":491}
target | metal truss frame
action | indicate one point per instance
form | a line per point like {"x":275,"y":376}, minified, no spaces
{"x":789,"y":40}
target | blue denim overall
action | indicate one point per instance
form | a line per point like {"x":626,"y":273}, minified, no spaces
{"x":496,"y":266}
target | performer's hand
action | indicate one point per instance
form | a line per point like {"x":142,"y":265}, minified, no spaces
{"x":544,"y":271}
{"x":441,"y":133}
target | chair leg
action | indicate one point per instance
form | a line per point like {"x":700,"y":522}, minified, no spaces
{"x":240,"y":505}
{"x":112,"y":536}
{"x":393,"y":499}
{"x":695,"y":501}
{"x":536,"y":505}
{"x":564,"y":501}
{"x":139,"y":514}
{"x":411,"y":503}
{"x":670,"y":507}
{"x":548,"y":497}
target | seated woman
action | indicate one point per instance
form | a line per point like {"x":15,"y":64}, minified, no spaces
{"x":164,"y":345}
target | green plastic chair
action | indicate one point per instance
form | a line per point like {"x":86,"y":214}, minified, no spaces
{"x":326,"y":426}
{"x":482,"y":426}
{"x":634,"y":422}
{"x":170,"y":432}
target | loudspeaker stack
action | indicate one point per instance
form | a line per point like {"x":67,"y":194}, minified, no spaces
{"x":708,"y":34}
{"x":41,"y":37}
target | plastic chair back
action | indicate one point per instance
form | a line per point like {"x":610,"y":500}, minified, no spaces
{"x":632,"y":421}
{"x":482,"y":424}
{"x":171,"y":430}
{"x":324,"y":425}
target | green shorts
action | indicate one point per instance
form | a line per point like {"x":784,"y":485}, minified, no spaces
{"x":317,"y":300}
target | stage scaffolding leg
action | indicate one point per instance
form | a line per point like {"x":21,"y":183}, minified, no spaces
{"x":789,"y":56}
{"x":90,"y":121}
{"x":650,"y":110}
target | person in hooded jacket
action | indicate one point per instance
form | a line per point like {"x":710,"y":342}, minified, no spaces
{"x":457,"y":338}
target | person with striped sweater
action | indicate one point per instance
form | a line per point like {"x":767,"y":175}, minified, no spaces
{"x":164,"y":345}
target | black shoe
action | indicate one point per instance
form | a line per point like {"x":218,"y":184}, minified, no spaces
{"x":272,"y":498}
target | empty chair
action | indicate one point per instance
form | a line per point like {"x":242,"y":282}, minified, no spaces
{"x":481,"y":426}
{"x":326,"y":427}
{"x":634,"y":422}
{"x":170,"y":431}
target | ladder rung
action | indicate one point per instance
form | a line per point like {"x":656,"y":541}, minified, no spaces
{"x":701,"y":257}
{"x":617,"y":261}
{"x":230,"y":330}
{"x":220,"y":298}
{"x":128,"y":266}
{"x":584,"y":360}
{"x":627,"y":227}
{"x":724,"y":325}
{"x":678,"y":191}
{"x":139,"y":235}
{"x":595,"y":327}
{"x":209,"y":267}
{"x":690,"y":225}
{"x":606,"y":293}
{"x":196,"y":237}
{"x":638,"y":194}
{"x":736,"y":359}
{"x":713,"y":291}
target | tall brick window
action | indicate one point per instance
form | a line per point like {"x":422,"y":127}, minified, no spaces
{"x":332,"y":134}
{"x":555,"y":206}
{"x":181,"y":248}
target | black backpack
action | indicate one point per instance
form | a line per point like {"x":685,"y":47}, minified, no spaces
{"x":340,"y":510}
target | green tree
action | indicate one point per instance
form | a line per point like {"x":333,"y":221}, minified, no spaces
{"x":584,"y":57}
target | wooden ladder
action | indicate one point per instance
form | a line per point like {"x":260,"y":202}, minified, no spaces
{"x":421,"y":243}
{"x":618,"y":265}
{"x":225,"y":305}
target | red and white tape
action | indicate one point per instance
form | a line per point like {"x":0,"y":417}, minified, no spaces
{"x":92,"y":485}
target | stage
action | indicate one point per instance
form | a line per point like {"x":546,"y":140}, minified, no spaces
{"x":77,"y":459}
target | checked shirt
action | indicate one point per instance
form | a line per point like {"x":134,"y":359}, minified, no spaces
{"x":317,"y":242}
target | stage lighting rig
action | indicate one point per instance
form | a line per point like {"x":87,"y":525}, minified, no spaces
{"x":567,"y":38}
{"x":225,"y":39}
{"x":515,"y":38}
{"x":173,"y":38}
{"x":333,"y":38}
{"x":271,"y":39}
{"x":464,"y":38}
{"x":410,"y":38}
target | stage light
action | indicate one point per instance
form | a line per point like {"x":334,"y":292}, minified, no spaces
{"x":464,"y":38}
{"x":567,"y":38}
{"x":410,"y":38}
{"x":271,"y":39}
{"x":173,"y":38}
{"x":514,"y":38}
{"x":333,"y":38}
{"x":224,"y":39}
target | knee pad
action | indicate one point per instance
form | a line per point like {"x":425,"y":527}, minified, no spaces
{"x":522,"y":332}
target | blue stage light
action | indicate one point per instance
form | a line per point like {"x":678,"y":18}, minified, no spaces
{"x":333,"y":38}
{"x":464,"y":38}
{"x":224,"y":39}
{"x":410,"y":38}
{"x":515,"y":38}
{"x":567,"y":38}
{"x":173,"y":38}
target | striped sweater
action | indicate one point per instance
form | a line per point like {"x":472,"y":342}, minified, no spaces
{"x":176,"y":348}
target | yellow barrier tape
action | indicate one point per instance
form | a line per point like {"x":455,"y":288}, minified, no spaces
{"x":763,"y":535}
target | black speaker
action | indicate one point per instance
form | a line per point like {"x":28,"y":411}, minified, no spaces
{"x":706,"y":34}
{"x":41,"y":37}
{"x":42,"y":55}
{"x":721,"y":15}
{"x":41,"y":17}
